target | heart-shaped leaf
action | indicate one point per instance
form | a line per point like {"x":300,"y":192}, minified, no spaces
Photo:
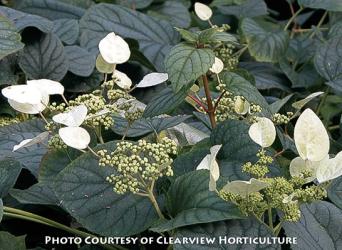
{"x":185,"y":64}
{"x":67,"y":30}
{"x":81,"y":62}
{"x":9,"y":172}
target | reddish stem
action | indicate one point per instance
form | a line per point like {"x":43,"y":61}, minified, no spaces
{"x":211,"y":109}
{"x":198,"y":102}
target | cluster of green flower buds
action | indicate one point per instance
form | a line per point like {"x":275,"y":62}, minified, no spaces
{"x":279,"y":119}
{"x":280,"y":193}
{"x":226,"y":54}
{"x":260,"y":168}
{"x":5,"y":121}
{"x":232,"y":106}
{"x":137,"y":165}
{"x":55,"y":142}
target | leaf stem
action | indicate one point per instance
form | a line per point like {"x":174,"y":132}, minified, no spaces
{"x":154,"y":201}
{"x":293,"y":18}
{"x":21,"y":214}
{"x":320,"y":23}
{"x":270,"y":217}
{"x":198,"y":102}
{"x":211,"y":109}
{"x":324,"y":98}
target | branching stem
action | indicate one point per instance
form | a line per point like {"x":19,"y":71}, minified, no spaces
{"x":211,"y":109}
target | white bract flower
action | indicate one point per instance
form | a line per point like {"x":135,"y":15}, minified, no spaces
{"x":209,"y":162}
{"x":329,"y":169}
{"x":114,"y":49}
{"x":152,"y":79}
{"x":311,"y":137}
{"x":217,"y":66}
{"x":31,"y":109}
{"x":312,"y":143}
{"x":263,"y":132}
{"x":203,"y":11}
{"x":23,"y":94}
{"x":123,"y":81}
{"x":74,"y":118}
{"x":29,"y":142}
{"x":298,"y":166}
{"x":75,"y":137}
{"x":48,"y":86}
{"x":241,"y":106}
{"x":244,"y":188}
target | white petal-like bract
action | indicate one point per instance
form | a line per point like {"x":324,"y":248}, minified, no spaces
{"x":217,"y":66}
{"x":75,"y":137}
{"x":241,"y":106}
{"x":311,"y":137}
{"x":29,"y":142}
{"x":298,"y":166}
{"x":74,"y":118}
{"x":209,"y":162}
{"x":301,"y":103}
{"x":23,"y":94}
{"x":122,"y":80}
{"x":263,"y":132}
{"x":152,"y":79}
{"x":244,"y":188}
{"x":31,"y":109}
{"x":104,"y":67}
{"x":114,"y":49}
{"x":48,"y":86}
{"x":203,"y":11}
{"x":330,"y":169}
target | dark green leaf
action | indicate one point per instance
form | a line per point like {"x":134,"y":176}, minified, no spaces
{"x":318,"y":228}
{"x":188,"y":162}
{"x":188,"y":35}
{"x":13,"y":134}
{"x":7,"y":73}
{"x":1,"y":209}
{"x":301,"y":49}
{"x":155,"y":37}
{"x":328,"y":62}
{"x":67,"y":30}
{"x":11,"y":242}
{"x":79,"y":84}
{"x":305,"y":78}
{"x":44,"y":59}
{"x":266,"y":75}
{"x":81,"y":62}
{"x":336,"y":30}
{"x":23,"y":20}
{"x":51,"y":9}
{"x":277,"y":105}
{"x":225,"y":229}
{"x":249,"y":8}
{"x":145,"y":126}
{"x":190,"y":202}
{"x":240,"y":86}
{"x":174,"y":12}
{"x":185,"y":64}
{"x":332,"y":5}
{"x":137,"y":4}
{"x":9,"y":172}
{"x":265,"y":46}
{"x":165,"y":102}
{"x":9,"y":38}
{"x":54,"y":162}
{"x":335,"y":192}
{"x":90,"y":199}
{"x":41,"y":193}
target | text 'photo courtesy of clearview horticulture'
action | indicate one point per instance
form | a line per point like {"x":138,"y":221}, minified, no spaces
{"x":170,"y":124}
